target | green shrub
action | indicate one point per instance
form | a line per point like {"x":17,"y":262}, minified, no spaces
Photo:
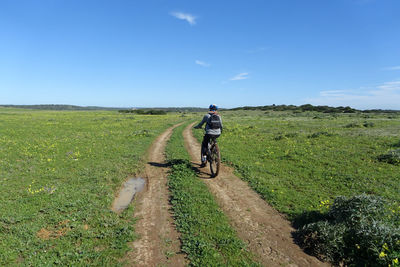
{"x":392,"y":157}
{"x":352,"y":125}
{"x":363,"y":230}
{"x":318,"y":134}
{"x":283,"y":136}
{"x":368,"y":124}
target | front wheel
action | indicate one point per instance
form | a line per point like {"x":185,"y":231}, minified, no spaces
{"x":215,"y":160}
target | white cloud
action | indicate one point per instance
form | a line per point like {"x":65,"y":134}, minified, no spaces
{"x":202,"y":63}
{"x":387,"y":88}
{"x":240,"y":76}
{"x":384,"y":96}
{"x":191,"y":19}
{"x":392,"y":68}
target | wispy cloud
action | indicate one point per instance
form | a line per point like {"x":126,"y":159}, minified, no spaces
{"x":384,"y":96}
{"x":202,"y":63}
{"x":191,"y":19}
{"x":392,"y":68}
{"x":388,"y":87}
{"x":240,"y":76}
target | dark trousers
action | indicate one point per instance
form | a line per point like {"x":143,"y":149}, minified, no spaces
{"x":204,"y":144}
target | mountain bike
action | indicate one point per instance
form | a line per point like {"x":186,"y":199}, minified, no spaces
{"x":213,"y":156}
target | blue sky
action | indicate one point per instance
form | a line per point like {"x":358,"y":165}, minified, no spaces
{"x":193,"y":53}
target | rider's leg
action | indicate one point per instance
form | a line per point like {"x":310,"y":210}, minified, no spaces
{"x":204,"y":146}
{"x":211,"y":136}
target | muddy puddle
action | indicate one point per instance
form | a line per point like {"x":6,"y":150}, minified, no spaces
{"x":130,"y":188}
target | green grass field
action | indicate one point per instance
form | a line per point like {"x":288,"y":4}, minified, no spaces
{"x":301,"y":161}
{"x":59,"y":172}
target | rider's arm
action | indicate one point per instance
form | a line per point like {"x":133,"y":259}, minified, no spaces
{"x":202,"y":122}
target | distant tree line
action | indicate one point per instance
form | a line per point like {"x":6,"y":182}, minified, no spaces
{"x":144,"y":111}
{"x":58,"y":107}
{"x":73,"y":107}
{"x":158,"y":111}
{"x":309,"y":107}
{"x":182,"y":109}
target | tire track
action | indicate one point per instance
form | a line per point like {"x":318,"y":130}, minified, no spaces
{"x":266,"y":232}
{"x":158,"y":243}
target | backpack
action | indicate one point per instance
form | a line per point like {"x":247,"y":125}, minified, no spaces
{"x":214,"y":122}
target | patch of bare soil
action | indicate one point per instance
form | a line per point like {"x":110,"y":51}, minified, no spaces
{"x":44,"y":234}
{"x":55,"y":232}
{"x":158,"y":243}
{"x":266,"y":232}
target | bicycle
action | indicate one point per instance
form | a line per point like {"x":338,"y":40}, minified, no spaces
{"x":213,"y":156}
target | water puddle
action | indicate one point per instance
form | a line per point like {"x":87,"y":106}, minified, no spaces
{"x":131,"y":187}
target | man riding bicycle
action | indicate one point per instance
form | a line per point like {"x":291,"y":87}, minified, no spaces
{"x":213,"y":130}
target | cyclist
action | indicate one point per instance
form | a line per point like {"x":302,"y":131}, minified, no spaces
{"x":213,"y":130}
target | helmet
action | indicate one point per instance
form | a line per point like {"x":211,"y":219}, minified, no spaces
{"x":213,"y":107}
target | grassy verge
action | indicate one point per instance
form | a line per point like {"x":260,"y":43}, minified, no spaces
{"x":206,"y":235}
{"x":59,"y":172}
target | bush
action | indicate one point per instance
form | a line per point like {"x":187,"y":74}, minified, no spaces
{"x":125,"y":111}
{"x":368,"y":124}
{"x":352,"y":125}
{"x":318,"y":134}
{"x":392,"y":157}
{"x":358,"y":125}
{"x":283,"y":136}
{"x":362,"y":230}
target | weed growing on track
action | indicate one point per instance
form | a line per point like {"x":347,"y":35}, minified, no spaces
{"x":300,"y":162}
{"x":59,"y":172}
{"x":206,"y":235}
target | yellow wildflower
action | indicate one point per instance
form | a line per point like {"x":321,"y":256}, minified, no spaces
{"x":385,"y":246}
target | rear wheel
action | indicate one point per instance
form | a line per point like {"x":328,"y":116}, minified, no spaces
{"x":215,"y":160}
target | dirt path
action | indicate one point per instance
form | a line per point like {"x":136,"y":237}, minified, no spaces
{"x":158,"y":243}
{"x":266,"y":232}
